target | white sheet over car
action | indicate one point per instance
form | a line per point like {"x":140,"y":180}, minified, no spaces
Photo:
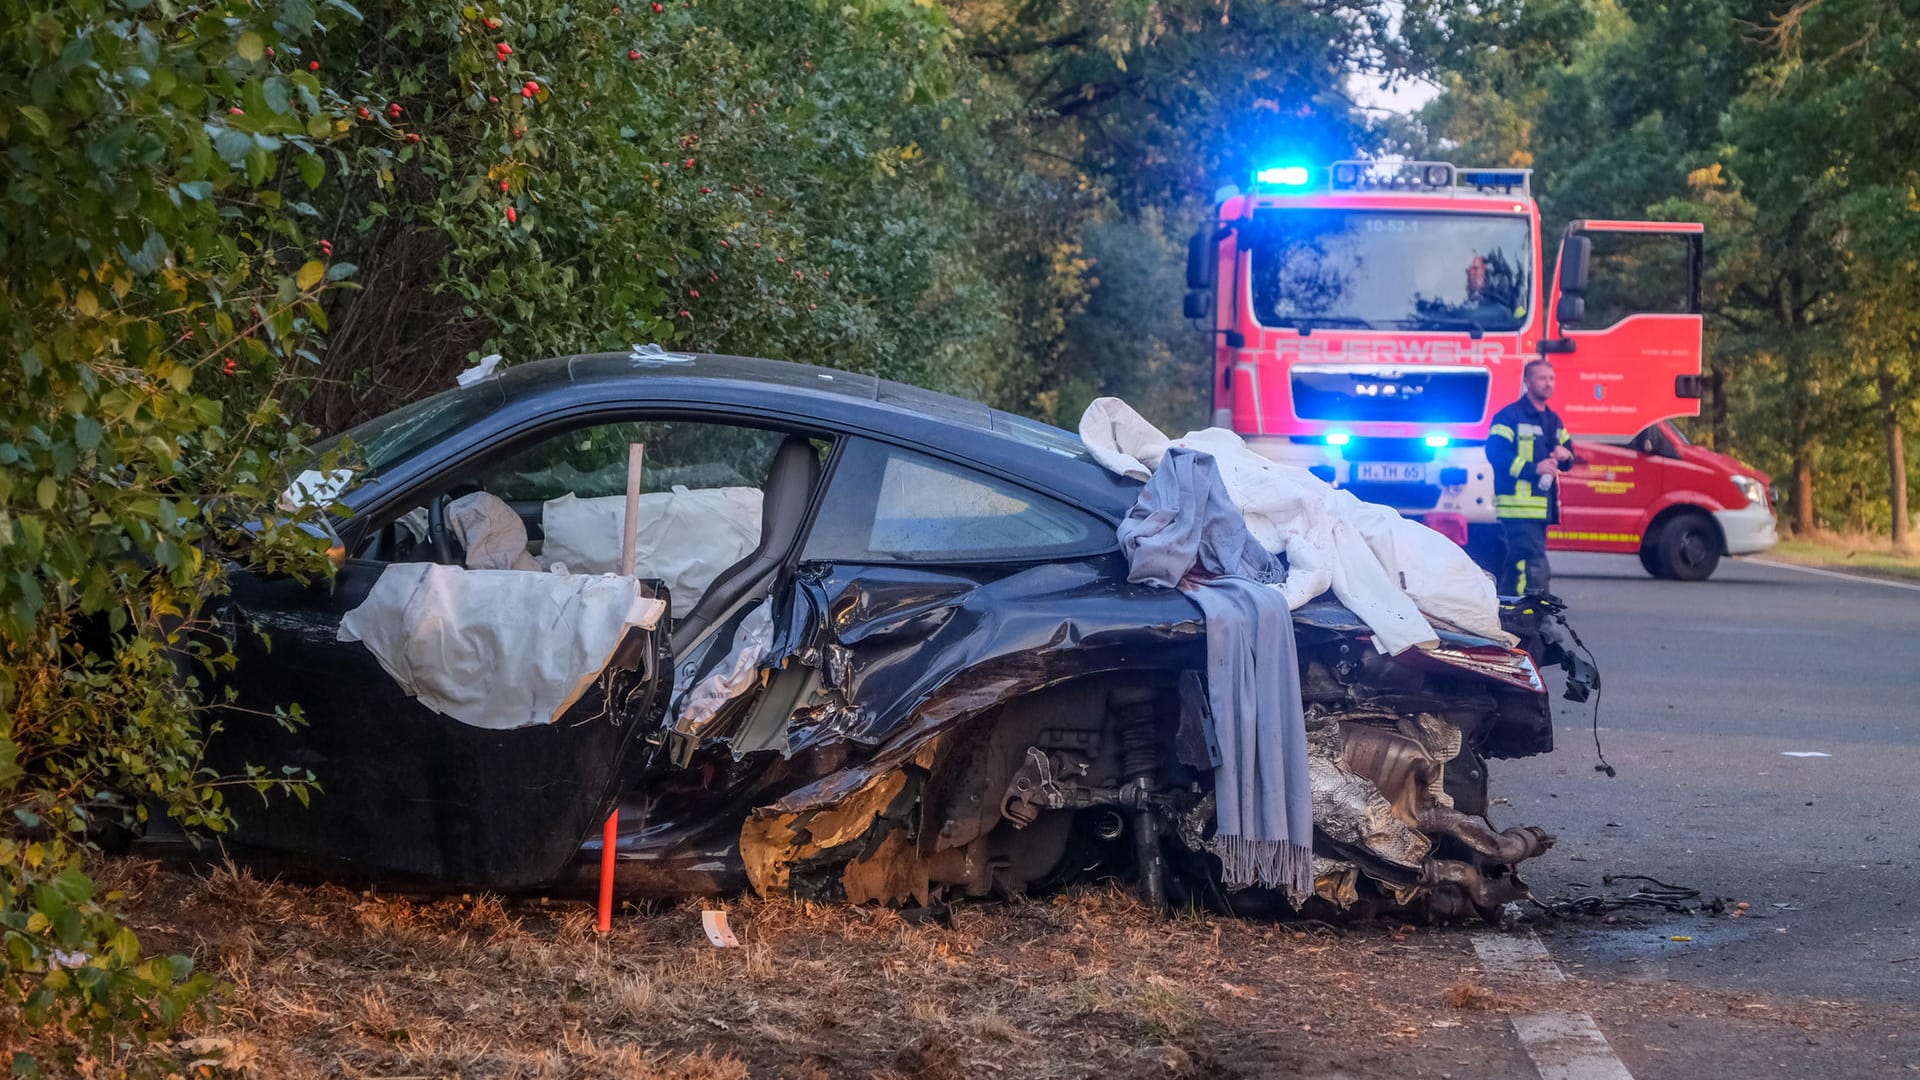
{"x":685,"y":537}
{"x":497,"y":648}
{"x":1386,"y":569}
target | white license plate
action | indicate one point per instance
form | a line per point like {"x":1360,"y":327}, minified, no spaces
{"x":1392,"y":473}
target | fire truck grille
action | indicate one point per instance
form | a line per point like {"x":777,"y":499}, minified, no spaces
{"x":1405,"y":394}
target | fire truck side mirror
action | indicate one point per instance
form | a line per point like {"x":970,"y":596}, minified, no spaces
{"x":1571,"y":310}
{"x":1575,"y":253}
{"x":1198,"y":305}
{"x":1202,"y":262}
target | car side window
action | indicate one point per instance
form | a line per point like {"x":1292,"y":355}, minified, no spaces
{"x":559,"y":504}
{"x":591,"y":462}
{"x":888,"y":504}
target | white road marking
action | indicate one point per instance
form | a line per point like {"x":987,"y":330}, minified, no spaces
{"x":1568,"y":1046}
{"x":1831,"y":573}
{"x":1520,"y":956}
{"x":1563,"y":1045}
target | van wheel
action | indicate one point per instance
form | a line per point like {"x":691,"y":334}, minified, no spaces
{"x":1650,"y":558}
{"x":1689,"y":548}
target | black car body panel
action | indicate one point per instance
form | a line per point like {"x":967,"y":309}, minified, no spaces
{"x":898,"y":709}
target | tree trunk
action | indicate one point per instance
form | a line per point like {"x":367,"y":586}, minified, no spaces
{"x":1896,"y":453}
{"x":1803,"y":493}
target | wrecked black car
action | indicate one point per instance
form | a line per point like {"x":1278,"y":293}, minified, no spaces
{"x":876,"y":644}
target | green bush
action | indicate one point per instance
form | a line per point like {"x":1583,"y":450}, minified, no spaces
{"x":159,"y":276}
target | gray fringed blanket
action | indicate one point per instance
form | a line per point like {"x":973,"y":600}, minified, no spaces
{"x":1183,"y":532}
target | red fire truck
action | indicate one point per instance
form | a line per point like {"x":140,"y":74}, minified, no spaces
{"x":1371,"y":317}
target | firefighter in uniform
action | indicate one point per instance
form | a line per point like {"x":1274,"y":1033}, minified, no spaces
{"x":1528,"y":449}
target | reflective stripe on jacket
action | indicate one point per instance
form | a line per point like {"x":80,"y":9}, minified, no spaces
{"x":1521,"y":437}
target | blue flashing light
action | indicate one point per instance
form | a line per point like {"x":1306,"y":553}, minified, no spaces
{"x":1338,"y":438}
{"x":1438,"y":442}
{"x":1286,"y":176}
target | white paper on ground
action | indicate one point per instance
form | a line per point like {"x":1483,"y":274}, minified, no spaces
{"x":718,"y":932}
{"x":1804,"y":753}
{"x":496,"y":648}
{"x":685,"y":537}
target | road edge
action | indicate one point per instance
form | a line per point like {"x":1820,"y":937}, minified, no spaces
{"x":1861,"y":578}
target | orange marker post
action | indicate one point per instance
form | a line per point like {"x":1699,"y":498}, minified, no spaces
{"x":607,"y":837}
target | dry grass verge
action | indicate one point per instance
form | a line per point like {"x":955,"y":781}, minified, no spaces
{"x":333,"y":982}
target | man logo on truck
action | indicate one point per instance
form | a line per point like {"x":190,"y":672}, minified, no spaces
{"x":1528,"y":447}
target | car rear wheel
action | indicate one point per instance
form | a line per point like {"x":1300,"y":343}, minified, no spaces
{"x":1689,"y":548}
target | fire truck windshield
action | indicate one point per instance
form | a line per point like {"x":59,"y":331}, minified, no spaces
{"x":1391,"y":270}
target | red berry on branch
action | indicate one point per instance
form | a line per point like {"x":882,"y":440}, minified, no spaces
{"x":236,"y":111}
{"x":723,"y":243}
{"x":393,"y":110}
{"x":689,"y":163}
{"x":364,"y":113}
{"x":810,"y":307}
{"x":658,"y":8}
{"x":526,"y":91}
{"x":695,"y":293}
{"x":503,"y":185}
{"x":491,"y":100}
{"x":633,"y":54}
{"x":229,"y":366}
{"x":706,"y":191}
{"x":684,"y":313}
{"x":503,"y":49}
{"x":326,"y":248}
{"x":776,"y":258}
{"x":313,"y":65}
{"x":513,"y":216}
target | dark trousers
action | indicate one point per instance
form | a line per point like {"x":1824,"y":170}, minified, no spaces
{"x":1523,"y":570}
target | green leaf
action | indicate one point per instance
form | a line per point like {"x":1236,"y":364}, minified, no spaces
{"x":313,"y":169}
{"x":37,"y":119}
{"x":311,"y":274}
{"x":46,"y":492}
{"x":250,"y":47}
{"x":233,"y":147}
{"x":340,"y":270}
{"x":87,"y":432}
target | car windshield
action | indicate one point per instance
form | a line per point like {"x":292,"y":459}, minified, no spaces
{"x":396,"y":436}
{"x":1391,"y":270}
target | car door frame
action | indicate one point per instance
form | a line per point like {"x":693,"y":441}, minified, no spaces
{"x":307,"y":616}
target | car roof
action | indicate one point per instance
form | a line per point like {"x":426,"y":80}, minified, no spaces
{"x":967,"y":431}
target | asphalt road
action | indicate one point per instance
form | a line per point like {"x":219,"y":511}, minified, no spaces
{"x":1709,"y":688}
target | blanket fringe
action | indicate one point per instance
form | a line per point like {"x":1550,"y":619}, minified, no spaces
{"x":1271,"y":864}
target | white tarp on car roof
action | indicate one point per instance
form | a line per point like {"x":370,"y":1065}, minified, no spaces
{"x":1386,"y":569}
{"x":685,"y":537}
{"x":497,"y":648}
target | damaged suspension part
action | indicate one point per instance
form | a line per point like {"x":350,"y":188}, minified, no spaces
{"x":1052,"y":781}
